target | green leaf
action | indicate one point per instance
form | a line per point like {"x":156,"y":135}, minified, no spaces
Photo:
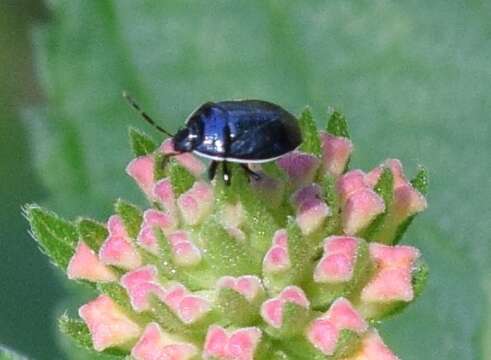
{"x":337,"y":125}
{"x":180,"y":178}
{"x":79,"y":333}
{"x":77,"y":330}
{"x":132,"y":216}
{"x":421,"y":181}
{"x":160,"y":169}
{"x":235,"y":308}
{"x":385,"y":188}
{"x":141,"y":143}
{"x":92,"y":232}
{"x":56,"y":237}
{"x":311,"y":142}
{"x":117,"y":293}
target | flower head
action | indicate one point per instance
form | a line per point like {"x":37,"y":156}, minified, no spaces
{"x":298,"y":262}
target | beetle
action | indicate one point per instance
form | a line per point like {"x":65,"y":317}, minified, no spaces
{"x":236,"y":131}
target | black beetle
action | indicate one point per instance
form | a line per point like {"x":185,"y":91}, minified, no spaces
{"x":239,"y":131}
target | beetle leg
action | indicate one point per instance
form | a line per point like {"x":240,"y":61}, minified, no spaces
{"x":227,"y":176}
{"x":249,"y":172}
{"x":212,"y":169}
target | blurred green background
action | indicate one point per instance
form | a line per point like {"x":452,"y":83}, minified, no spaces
{"x":413,"y":78}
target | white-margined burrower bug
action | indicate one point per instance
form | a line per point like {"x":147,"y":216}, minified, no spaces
{"x":237,"y":131}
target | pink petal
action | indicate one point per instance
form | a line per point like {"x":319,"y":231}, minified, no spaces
{"x":407,"y":202}
{"x":196,"y":203}
{"x":178,"y":236}
{"x":187,"y":160}
{"x":311,"y":215}
{"x":160,"y":219}
{"x":148,"y":240}
{"x":138,"y":276}
{"x":155,"y":345}
{"x":300,"y":167}
{"x":116,"y":227}
{"x":337,"y":263}
{"x":117,"y":249}
{"x":216,"y":343}
{"x":272,"y":309}
{"x":373,"y":348}
{"x":242,"y":343}
{"x":192,"y":308}
{"x":323,"y":335}
{"x":324,"y":332}
{"x":164,"y":193}
{"x":175,"y":295}
{"x":392,"y":281}
{"x":247,"y":285}
{"x":373,"y":176}
{"x":295,"y":295}
{"x":336,"y":152}
{"x":361,"y":209}
{"x":350,"y":183}
{"x":141,"y":170}
{"x":272,"y":312}
{"x":280,"y":238}
{"x":140,"y":284}
{"x":343,"y":315}
{"x":85,"y":265}
{"x":312,"y":191}
{"x":186,"y":254}
{"x":276,"y":260}
{"x":108,"y":325}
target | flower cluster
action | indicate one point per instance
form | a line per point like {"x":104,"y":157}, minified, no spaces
{"x":297,"y":264}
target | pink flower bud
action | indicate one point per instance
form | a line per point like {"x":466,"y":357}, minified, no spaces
{"x":373,"y":348}
{"x":272,"y":309}
{"x":108,"y":325}
{"x":336,"y":152}
{"x":277,"y":259}
{"x":184,"y":252}
{"x":85,"y":265}
{"x":187,"y":160}
{"x":188,"y":307}
{"x":311,"y":209}
{"x":247,"y":285}
{"x":140,"y":284}
{"x":153,"y":220}
{"x":164,"y":193}
{"x":350,"y":183}
{"x":117,"y":249}
{"x":337,"y":263}
{"x":323,"y":333}
{"x":300,"y":167}
{"x":240,"y":344}
{"x":196,"y":203}
{"x":392,"y":280}
{"x":154,"y":344}
{"x":141,"y":170}
{"x":407,"y":200}
{"x":360,"y":210}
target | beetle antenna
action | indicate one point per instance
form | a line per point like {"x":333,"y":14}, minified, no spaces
{"x":144,"y":115}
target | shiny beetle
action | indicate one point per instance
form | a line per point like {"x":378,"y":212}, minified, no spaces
{"x":238,"y":131}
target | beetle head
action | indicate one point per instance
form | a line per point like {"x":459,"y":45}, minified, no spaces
{"x":187,"y":138}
